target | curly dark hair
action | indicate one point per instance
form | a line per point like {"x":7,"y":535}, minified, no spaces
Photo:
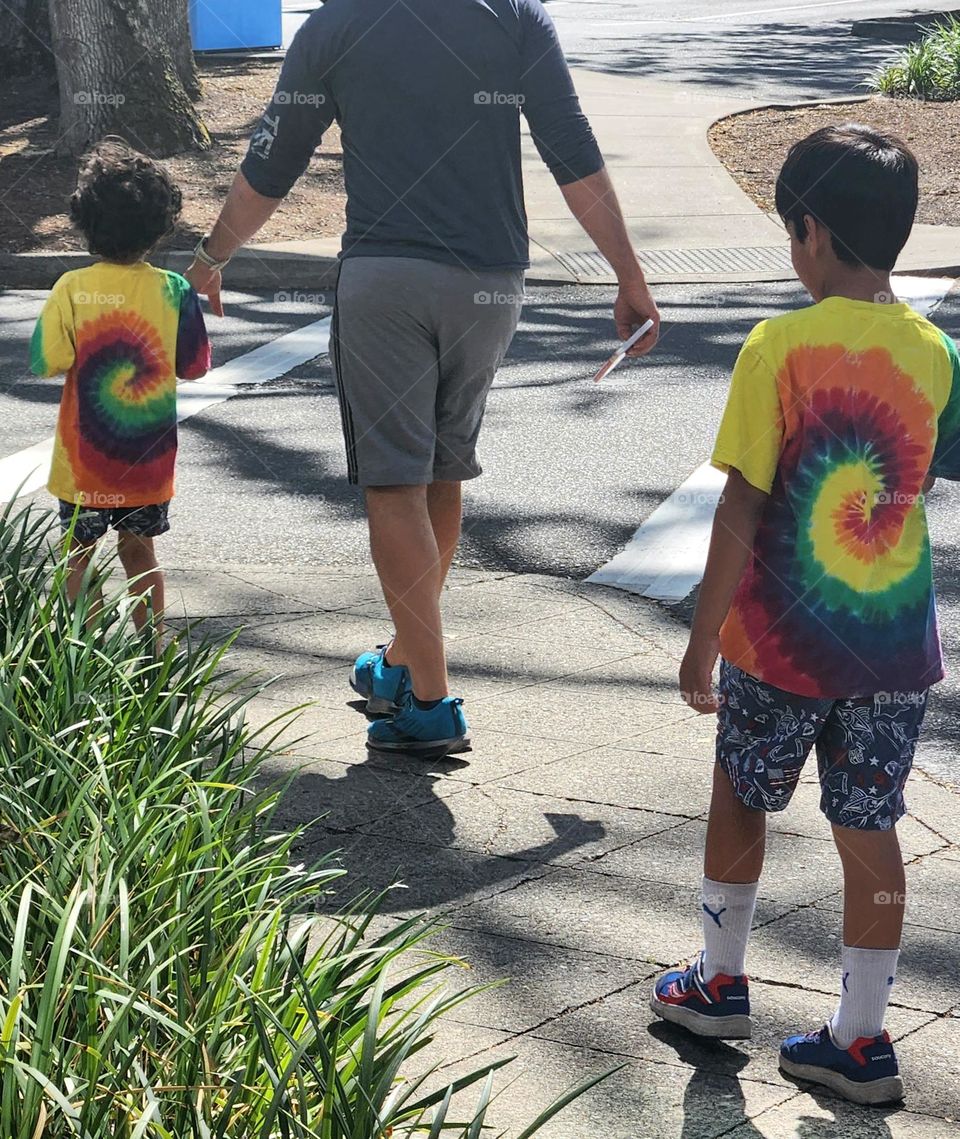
{"x":124,"y":202}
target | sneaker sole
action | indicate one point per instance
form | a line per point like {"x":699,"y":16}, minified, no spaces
{"x":423,"y":749}
{"x":719,"y":1027}
{"x":874,"y":1093}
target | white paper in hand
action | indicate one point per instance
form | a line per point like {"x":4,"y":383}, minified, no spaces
{"x":618,"y":357}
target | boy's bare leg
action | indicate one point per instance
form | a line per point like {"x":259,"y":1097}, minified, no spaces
{"x":411,"y":570}
{"x":736,"y":835}
{"x":874,"y":887}
{"x":78,"y":563}
{"x":139,"y":559}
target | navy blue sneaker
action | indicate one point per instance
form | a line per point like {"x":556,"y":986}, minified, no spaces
{"x":430,"y":734}
{"x":866,"y":1072}
{"x":380,"y":684}
{"x":719,"y":1008}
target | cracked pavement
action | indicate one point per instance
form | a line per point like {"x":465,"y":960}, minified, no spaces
{"x":563,"y":853}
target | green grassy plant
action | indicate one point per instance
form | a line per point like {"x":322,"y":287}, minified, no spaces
{"x":164,"y":972}
{"x":929,"y":69}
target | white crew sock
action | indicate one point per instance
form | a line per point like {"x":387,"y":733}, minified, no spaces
{"x":865,"y":993}
{"x":727,"y":916}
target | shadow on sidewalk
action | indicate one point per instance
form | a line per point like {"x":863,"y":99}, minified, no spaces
{"x":708,"y":1058}
{"x":349,"y":818}
{"x":712,"y":1058}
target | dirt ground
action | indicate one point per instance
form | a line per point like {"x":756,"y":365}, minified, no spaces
{"x":35,"y":184}
{"x":753,"y":146}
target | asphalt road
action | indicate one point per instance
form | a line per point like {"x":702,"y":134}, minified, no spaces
{"x":779,"y":49}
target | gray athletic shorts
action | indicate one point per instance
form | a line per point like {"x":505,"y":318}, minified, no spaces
{"x":415,"y":347}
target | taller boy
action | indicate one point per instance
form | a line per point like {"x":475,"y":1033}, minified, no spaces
{"x":819,"y":595}
{"x":428,"y":95}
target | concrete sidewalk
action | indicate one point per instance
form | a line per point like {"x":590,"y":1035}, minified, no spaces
{"x":564,"y":853}
{"x":682,"y":207}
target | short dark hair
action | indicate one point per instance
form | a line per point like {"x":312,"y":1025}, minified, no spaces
{"x":861,"y":184}
{"x":124,"y":202}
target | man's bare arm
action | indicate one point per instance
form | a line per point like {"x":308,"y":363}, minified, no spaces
{"x":244,"y":214}
{"x":593,"y":202}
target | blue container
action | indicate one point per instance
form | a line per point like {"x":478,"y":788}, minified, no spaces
{"x":236,"y":25}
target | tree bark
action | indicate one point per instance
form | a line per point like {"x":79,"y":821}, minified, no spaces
{"x":118,"y":76}
{"x":172,"y":22}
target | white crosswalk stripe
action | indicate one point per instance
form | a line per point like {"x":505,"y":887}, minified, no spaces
{"x":26,"y":471}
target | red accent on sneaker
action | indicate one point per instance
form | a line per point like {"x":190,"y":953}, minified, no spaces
{"x":722,"y":979}
{"x":857,"y":1047}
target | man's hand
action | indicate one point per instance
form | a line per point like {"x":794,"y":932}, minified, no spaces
{"x":208,"y":284}
{"x":635,"y":306}
{"x":696,"y":674}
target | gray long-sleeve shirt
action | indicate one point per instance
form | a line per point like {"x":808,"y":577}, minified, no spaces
{"x":428,"y":95}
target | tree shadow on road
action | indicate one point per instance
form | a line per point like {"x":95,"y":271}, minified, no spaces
{"x":793,"y":60}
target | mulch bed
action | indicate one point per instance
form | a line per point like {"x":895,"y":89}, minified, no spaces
{"x":35,"y":184}
{"x":753,"y":146}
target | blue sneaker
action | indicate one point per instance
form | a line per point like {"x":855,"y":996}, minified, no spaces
{"x":381,"y":685}
{"x":440,"y":731}
{"x":866,"y":1072}
{"x":719,"y":1008}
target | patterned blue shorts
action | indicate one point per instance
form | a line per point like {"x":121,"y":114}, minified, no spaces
{"x":864,"y":745}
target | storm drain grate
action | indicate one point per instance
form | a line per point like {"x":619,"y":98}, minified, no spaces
{"x":756,"y":259}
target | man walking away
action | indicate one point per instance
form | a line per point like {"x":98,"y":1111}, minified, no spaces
{"x":428,"y":95}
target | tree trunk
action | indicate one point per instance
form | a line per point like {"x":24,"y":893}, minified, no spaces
{"x":25,"y":36}
{"x":172,"y":22}
{"x":118,"y":76}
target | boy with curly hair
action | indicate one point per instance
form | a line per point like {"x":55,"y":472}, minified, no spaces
{"x":122,"y":331}
{"x":818,"y":595}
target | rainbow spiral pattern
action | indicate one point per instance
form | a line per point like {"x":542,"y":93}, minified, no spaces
{"x":122,"y":334}
{"x":837,"y":600}
{"x":126,"y":404}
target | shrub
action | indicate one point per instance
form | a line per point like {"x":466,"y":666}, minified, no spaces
{"x":929,"y":69}
{"x":164,"y":973}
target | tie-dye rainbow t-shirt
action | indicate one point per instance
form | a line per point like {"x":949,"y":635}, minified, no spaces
{"x":839,"y":412}
{"x":122,"y":334}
